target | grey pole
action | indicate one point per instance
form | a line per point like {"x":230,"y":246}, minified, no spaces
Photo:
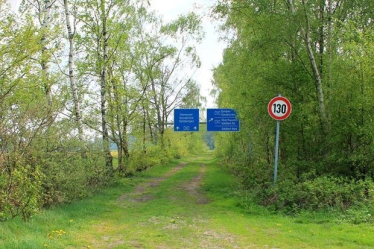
{"x":276,"y":153}
{"x":276,"y":150}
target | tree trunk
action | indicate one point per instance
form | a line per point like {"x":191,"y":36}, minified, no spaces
{"x":144,"y":130}
{"x":125,"y":142}
{"x":316,"y":72}
{"x":321,"y":41}
{"x":44,"y":63}
{"x":103,"y":100}
{"x":318,"y":83}
{"x":120,"y":157}
{"x":160,"y":124}
{"x":124,"y":150}
{"x":329,"y":48}
{"x":73,"y":85}
{"x":152,"y":136}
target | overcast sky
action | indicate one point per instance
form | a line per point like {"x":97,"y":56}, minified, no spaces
{"x":210,"y":50}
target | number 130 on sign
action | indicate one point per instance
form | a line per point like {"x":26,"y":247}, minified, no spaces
{"x":279,"y":108}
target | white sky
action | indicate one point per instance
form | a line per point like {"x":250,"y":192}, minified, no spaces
{"x":210,"y":50}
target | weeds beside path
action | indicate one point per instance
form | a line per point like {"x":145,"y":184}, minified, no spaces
{"x":187,"y":204}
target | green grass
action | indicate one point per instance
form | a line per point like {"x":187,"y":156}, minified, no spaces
{"x":172,"y":218}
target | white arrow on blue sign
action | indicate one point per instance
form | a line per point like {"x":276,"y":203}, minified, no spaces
{"x":186,"y":119}
{"x":222,"y":120}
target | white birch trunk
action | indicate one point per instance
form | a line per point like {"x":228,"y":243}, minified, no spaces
{"x":103,"y":79}
{"x":46,"y":21}
{"x":73,"y":85}
{"x":315,"y":69}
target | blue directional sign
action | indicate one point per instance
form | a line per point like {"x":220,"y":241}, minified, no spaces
{"x":186,"y":120}
{"x":222,"y":120}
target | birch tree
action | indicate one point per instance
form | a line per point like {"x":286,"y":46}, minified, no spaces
{"x":170,"y":68}
{"x":95,"y":18}
{"x":126,"y":89}
{"x":71,"y":33}
{"x":44,"y":12}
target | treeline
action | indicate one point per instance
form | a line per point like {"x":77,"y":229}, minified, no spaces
{"x":318,"y":54}
{"x":73,"y":71}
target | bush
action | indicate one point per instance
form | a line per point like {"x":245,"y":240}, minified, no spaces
{"x":182,"y":144}
{"x":139,"y":160}
{"x":322,"y":193}
{"x":358,"y":215}
{"x":20,"y":188}
{"x":72,"y":176}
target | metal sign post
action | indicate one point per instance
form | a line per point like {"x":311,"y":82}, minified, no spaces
{"x":279,"y":108}
{"x":276,"y":153}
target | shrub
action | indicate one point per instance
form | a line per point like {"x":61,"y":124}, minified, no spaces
{"x":358,"y":215}
{"x":140,"y":160}
{"x":20,"y":188}
{"x":322,"y":193}
{"x":72,"y":176}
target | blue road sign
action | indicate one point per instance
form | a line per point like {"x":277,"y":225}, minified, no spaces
{"x":186,"y":119}
{"x":222,"y":120}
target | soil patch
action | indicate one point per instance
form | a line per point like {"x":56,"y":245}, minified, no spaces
{"x":193,"y":187}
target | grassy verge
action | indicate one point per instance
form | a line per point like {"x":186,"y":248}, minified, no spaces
{"x":159,"y":209}
{"x":59,"y":227}
{"x":258,"y":227}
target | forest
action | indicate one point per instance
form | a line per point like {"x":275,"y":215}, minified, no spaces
{"x":78,"y":77}
{"x":318,"y":54}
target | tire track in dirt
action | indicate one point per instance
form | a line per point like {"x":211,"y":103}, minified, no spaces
{"x":140,"y":194}
{"x":193,"y":187}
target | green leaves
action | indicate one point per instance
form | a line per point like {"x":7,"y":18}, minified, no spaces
{"x":281,"y":48}
{"x":184,"y":25}
{"x":118,"y":64}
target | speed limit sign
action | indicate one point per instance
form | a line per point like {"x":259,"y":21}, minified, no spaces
{"x":279,"y":108}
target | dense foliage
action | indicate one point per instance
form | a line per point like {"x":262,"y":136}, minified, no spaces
{"x":78,"y":76}
{"x":318,"y":54}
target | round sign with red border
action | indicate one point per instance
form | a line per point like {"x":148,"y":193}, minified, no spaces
{"x":279,"y":108}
